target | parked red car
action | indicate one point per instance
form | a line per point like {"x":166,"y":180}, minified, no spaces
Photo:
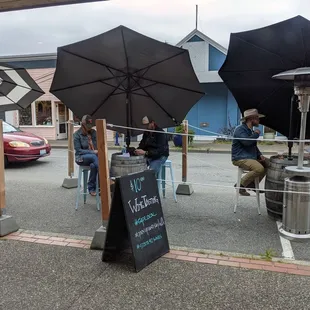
{"x":20,"y":146}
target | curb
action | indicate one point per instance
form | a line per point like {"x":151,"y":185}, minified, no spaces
{"x":179,"y":151}
{"x":301,"y":268}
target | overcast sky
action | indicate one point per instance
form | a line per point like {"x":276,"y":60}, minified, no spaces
{"x":43,"y":30}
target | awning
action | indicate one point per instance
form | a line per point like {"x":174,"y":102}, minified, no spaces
{"x":14,"y":5}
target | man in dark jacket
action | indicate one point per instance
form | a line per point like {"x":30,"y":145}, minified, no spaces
{"x":245,"y":153}
{"x":154,"y":145}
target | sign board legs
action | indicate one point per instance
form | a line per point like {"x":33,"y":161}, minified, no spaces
{"x":7,"y":223}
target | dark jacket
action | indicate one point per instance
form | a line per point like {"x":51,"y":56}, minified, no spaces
{"x":81,"y":143}
{"x":245,"y":149}
{"x":155,"y":144}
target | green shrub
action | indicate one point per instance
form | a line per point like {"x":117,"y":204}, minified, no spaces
{"x":180,"y":129}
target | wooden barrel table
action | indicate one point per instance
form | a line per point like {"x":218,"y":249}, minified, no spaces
{"x":121,"y":165}
{"x":275,"y":181}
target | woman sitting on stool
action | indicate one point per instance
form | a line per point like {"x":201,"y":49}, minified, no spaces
{"x":86,"y":153}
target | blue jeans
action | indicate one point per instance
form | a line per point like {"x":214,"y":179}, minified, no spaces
{"x":155,"y":164}
{"x":92,"y":161}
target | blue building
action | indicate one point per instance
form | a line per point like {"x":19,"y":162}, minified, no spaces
{"x":217,"y":111}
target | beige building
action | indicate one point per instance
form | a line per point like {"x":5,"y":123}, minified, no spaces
{"x":46,"y":117}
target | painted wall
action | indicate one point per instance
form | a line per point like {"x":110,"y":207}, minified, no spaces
{"x":213,"y":109}
{"x":216,"y":58}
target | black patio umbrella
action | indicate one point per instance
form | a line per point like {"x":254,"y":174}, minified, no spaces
{"x":17,"y":88}
{"x":122,"y":76}
{"x":254,"y":57}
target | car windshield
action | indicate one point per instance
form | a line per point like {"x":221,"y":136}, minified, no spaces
{"x":9,"y":128}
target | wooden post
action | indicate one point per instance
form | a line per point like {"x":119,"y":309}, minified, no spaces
{"x":2,"y":176}
{"x":70,"y":149}
{"x":185,"y":188}
{"x":103,"y":168}
{"x":184,"y":151}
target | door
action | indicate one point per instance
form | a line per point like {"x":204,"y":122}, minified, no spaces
{"x":62,"y":115}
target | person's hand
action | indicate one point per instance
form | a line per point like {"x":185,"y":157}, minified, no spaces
{"x":139,"y":152}
{"x":257,"y":131}
{"x":96,"y":152}
{"x":262,"y":158}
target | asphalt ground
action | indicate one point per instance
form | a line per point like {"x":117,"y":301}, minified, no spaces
{"x":204,"y":220}
{"x":35,"y":276}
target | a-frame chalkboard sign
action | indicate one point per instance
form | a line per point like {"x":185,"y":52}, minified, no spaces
{"x":136,"y":220}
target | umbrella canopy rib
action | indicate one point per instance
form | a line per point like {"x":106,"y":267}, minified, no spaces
{"x":88,"y":83}
{"x":159,"y":62}
{"x":150,"y":96}
{"x":265,"y":50}
{"x":13,"y":102}
{"x":94,"y":61}
{"x":107,"y":98}
{"x":171,"y":85}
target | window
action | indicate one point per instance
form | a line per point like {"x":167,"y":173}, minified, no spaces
{"x":25,"y":117}
{"x":76,"y":120}
{"x":9,"y":128}
{"x":44,"y":112}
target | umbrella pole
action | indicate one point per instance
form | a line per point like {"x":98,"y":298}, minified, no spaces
{"x":294,"y":100}
{"x":128,"y":120}
{"x":304,"y":108}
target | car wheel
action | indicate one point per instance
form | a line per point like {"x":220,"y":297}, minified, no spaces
{"x":6,"y":162}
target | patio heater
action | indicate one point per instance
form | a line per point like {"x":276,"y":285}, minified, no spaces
{"x":296,"y":199}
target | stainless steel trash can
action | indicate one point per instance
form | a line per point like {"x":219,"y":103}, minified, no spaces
{"x":296,"y":207}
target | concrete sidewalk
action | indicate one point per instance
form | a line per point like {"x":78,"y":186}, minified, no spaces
{"x":48,"y":277}
{"x":197,"y":147}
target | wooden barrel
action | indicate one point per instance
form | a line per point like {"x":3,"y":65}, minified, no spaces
{"x":275,"y":181}
{"x":121,"y":166}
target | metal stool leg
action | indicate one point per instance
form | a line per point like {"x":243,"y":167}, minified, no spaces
{"x":172,"y":181}
{"x":159,"y":177}
{"x":78,"y":194}
{"x":237,"y":189}
{"x":163,"y":177}
{"x":257,"y":195}
{"x":85,"y":179}
{"x":97,"y":193}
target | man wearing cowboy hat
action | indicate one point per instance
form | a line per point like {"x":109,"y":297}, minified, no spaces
{"x":245,"y":153}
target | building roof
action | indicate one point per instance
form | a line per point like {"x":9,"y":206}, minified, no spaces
{"x":28,"y":57}
{"x":15,"y":5}
{"x":198,"y":33}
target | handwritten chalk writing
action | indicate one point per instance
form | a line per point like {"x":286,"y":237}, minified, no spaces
{"x":149,"y":242}
{"x":145,"y":218}
{"x":141,"y":204}
{"x":136,"y":185}
{"x":160,"y":222}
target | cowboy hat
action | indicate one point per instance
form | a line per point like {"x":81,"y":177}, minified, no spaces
{"x":250,"y":113}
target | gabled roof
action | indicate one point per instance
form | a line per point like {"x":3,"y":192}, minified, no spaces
{"x":205,"y":38}
{"x":29,"y":57}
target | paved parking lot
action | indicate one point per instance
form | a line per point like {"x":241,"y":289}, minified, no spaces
{"x":204,"y":220}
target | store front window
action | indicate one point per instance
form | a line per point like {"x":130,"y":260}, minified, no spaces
{"x":43,"y":113}
{"x":76,"y":120}
{"x":25,"y":117}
